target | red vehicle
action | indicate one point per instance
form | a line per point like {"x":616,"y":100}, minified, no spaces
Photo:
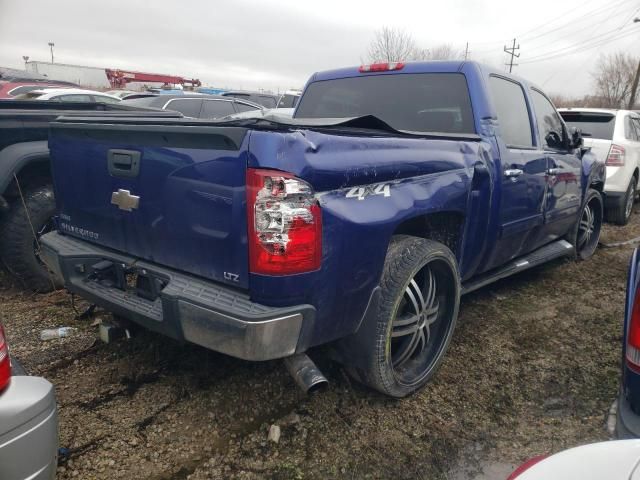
{"x":14,"y":82}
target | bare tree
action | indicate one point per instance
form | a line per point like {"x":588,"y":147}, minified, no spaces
{"x":396,"y":45}
{"x":444,"y":52}
{"x":392,"y":45}
{"x":614,"y":78}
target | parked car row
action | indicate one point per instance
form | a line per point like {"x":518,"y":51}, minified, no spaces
{"x":67,"y":95}
{"x":195,"y":105}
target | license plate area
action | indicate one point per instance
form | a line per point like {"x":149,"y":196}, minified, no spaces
{"x":128,"y":278}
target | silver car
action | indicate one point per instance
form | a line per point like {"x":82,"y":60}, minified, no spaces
{"x":28,"y":423}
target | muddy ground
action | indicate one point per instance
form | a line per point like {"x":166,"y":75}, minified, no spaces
{"x":533,"y":368}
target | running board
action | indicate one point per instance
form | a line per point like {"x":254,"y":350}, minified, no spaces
{"x":557,"y":249}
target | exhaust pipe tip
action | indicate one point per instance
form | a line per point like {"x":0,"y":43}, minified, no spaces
{"x":305,"y":373}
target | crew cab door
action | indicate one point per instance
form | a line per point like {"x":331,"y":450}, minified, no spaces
{"x":523,"y":181}
{"x":564,"y":192}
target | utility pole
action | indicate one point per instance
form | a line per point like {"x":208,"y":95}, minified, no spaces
{"x":512,"y":51}
{"x":466,"y":51}
{"x":51,"y":45}
{"x":634,"y":87}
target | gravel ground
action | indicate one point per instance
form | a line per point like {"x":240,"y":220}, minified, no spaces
{"x":533,"y":368}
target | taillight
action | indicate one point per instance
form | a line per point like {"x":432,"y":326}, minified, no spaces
{"x":526,"y":466}
{"x":616,"y":156}
{"x":633,"y":335}
{"x":381,"y":67}
{"x":5,"y":364}
{"x":284,"y":224}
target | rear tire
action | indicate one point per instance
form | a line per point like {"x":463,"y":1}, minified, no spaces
{"x":18,"y":249}
{"x":419,"y":300}
{"x":620,"y":212}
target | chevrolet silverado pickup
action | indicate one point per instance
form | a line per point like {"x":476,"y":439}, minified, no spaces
{"x":358,"y":223}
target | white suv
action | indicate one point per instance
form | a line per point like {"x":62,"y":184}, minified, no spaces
{"x":614,"y":137}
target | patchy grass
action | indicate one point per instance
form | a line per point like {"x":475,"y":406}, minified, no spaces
{"x":533,"y":368}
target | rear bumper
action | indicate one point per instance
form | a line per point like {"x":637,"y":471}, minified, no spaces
{"x":28,"y":430}
{"x":186,"y":308}
{"x":612,"y":199}
{"x":617,"y":180}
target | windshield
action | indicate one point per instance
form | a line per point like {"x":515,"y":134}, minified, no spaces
{"x":423,"y":102}
{"x":595,"y":125}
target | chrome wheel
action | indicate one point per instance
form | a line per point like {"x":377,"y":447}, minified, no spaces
{"x":422,"y":323}
{"x":411,"y":329}
{"x":631,"y":194}
{"x":587,"y":224}
{"x":588,"y":231}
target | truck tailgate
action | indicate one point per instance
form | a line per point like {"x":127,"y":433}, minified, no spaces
{"x":170,"y":191}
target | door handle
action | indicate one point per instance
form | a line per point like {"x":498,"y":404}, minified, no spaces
{"x":123,"y":163}
{"x":554,"y":171}
{"x":513,"y":172}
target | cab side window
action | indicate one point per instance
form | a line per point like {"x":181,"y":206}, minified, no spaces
{"x":550,"y":124}
{"x":512,"y":111}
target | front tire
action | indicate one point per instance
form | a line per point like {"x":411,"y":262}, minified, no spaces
{"x":587,"y":231}
{"x":420,"y":297}
{"x":18,"y":249}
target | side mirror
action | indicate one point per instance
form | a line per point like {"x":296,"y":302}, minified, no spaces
{"x":554,"y":140}
{"x":575,"y":138}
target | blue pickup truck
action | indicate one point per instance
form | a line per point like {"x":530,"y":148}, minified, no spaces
{"x":359,"y":222}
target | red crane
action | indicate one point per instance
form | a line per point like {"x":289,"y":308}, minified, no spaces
{"x":120,"y":78}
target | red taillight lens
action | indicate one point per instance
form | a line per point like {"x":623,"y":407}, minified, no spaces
{"x":5,"y":364}
{"x":526,"y":466}
{"x":615,"y":157}
{"x":284,"y":224}
{"x":633,"y":335}
{"x":381,"y":67}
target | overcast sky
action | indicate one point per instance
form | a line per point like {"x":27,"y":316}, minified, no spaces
{"x":278,"y":44}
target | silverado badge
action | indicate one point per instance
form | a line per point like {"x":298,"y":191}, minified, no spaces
{"x":124,"y":200}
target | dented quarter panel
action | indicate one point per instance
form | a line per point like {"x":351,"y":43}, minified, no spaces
{"x":423,"y":176}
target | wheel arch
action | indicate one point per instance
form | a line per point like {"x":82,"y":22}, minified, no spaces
{"x":28,"y":161}
{"x":444,"y":227}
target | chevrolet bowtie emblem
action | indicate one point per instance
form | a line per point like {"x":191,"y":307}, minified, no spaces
{"x":124,"y":200}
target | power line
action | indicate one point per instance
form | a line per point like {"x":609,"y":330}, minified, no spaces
{"x":570,"y":25}
{"x":590,"y":26}
{"x":607,"y":34}
{"x":512,"y":51}
{"x":582,"y":48}
{"x":583,"y":64}
{"x":574,"y":21}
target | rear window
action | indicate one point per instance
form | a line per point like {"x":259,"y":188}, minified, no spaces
{"x":27,"y":96}
{"x":24,"y":89}
{"x":422,"y":102}
{"x":595,"y":125}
